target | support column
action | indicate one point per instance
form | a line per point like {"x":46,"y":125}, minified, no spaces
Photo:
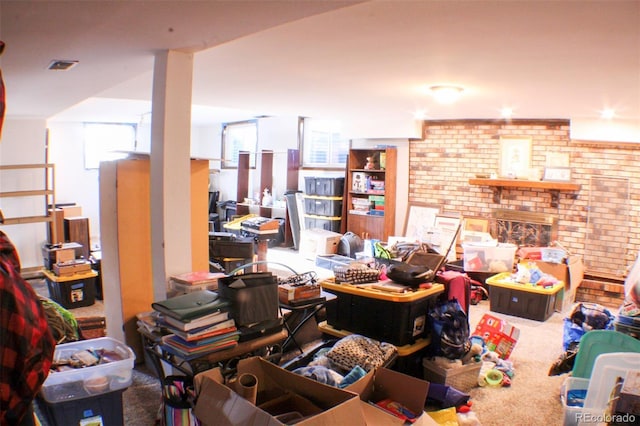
{"x":170,"y":167}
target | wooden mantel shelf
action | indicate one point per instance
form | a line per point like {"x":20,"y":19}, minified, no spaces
{"x":553,"y":187}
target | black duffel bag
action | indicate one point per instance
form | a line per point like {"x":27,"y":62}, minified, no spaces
{"x":411,"y":275}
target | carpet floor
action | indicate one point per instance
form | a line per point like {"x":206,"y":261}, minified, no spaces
{"x":532,"y":398}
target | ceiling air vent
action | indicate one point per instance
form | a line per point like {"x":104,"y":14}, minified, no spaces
{"x":62,"y":65}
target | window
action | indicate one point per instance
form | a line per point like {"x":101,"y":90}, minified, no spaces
{"x":106,"y":142}
{"x":236,"y":137}
{"x":322,"y":144}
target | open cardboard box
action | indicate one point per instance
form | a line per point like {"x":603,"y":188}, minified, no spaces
{"x":383,"y":383}
{"x":279,"y":391}
{"x":571,"y":273}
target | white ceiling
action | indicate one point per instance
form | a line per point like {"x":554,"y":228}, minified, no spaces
{"x":364,"y":63}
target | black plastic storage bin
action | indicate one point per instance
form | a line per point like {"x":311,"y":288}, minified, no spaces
{"x":628,"y":325}
{"x":75,"y":291}
{"x":458,"y":266}
{"x":521,"y":300}
{"x":322,"y":222}
{"x":324,"y":186}
{"x":324,"y":206}
{"x":106,"y":406}
{"x":399,"y":319}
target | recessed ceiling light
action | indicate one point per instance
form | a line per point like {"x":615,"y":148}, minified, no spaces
{"x":607,"y":113}
{"x":446,"y":94}
{"x":506,"y":112}
{"x":62,"y":65}
{"x":420,"y":114}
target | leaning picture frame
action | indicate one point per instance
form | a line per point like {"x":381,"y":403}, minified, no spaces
{"x":557,"y":174}
{"x":419,"y":221}
{"x":515,"y":157}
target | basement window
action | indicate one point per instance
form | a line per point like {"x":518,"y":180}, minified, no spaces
{"x":236,"y":137}
{"x":107,"y":142}
{"x":322,"y":144}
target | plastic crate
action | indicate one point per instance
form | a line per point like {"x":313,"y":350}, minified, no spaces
{"x":522,"y":300}
{"x":324,"y":206}
{"x":330,"y":261}
{"x":489,"y":258}
{"x":458,"y":266}
{"x":76,"y":384}
{"x":324,"y":186}
{"x":396,"y":318}
{"x":572,"y":395}
{"x":73,"y":291}
{"x":631,"y":330}
{"x":328,"y":223}
{"x":105,"y":409}
{"x":463,"y":378}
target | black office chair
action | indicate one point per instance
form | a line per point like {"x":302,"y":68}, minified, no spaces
{"x":214,"y":217}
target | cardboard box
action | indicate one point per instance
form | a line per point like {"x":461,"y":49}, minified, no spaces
{"x":60,"y":253}
{"x":383,"y":383}
{"x":71,"y":267}
{"x":319,"y":404}
{"x":71,"y":211}
{"x":288,"y":292}
{"x":571,"y":273}
{"x":315,"y":242}
{"x":499,"y":336}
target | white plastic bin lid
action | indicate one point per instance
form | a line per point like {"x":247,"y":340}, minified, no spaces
{"x":606,"y":369}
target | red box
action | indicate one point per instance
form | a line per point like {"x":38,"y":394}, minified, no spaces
{"x":499,"y":336}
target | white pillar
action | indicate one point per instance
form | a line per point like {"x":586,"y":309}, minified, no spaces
{"x":170,"y":167}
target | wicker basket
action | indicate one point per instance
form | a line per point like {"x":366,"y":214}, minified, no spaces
{"x":463,"y":378}
{"x":355,"y":273}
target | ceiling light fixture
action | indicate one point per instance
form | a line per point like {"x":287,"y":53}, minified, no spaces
{"x":446,"y":94}
{"x":420,"y":114}
{"x":607,"y":113}
{"x":506,"y":112}
{"x":62,"y":64}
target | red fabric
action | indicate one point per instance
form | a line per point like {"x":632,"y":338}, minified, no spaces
{"x":457,"y":286}
{"x":26,"y":343}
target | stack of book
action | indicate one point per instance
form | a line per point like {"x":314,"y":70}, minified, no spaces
{"x":199,"y":323}
{"x":194,"y":281}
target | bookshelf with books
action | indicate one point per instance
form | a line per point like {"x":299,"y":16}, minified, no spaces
{"x":371,"y":192}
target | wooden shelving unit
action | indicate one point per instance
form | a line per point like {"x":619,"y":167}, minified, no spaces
{"x":266,"y":181}
{"x":554,"y":188}
{"x":47,"y":192}
{"x":372,"y":226}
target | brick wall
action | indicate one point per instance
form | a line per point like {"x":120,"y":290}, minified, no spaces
{"x":453,"y":151}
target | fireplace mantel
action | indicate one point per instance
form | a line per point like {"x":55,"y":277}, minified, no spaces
{"x":554,"y":188}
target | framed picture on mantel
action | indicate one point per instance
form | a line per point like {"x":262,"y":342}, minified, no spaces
{"x":515,"y":157}
{"x":557,"y":174}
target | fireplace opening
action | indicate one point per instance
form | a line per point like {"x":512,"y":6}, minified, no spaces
{"x":525,"y":229}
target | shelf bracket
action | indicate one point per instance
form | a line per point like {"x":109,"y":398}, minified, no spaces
{"x":555,"y":197}
{"x":497,"y":194}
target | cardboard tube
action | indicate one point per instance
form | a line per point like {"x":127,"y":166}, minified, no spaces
{"x":247,"y":387}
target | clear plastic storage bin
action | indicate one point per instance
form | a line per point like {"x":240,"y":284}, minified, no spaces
{"x":77,"y":383}
{"x":480,"y":257}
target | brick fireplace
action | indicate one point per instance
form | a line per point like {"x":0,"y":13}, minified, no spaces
{"x":454,"y":151}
